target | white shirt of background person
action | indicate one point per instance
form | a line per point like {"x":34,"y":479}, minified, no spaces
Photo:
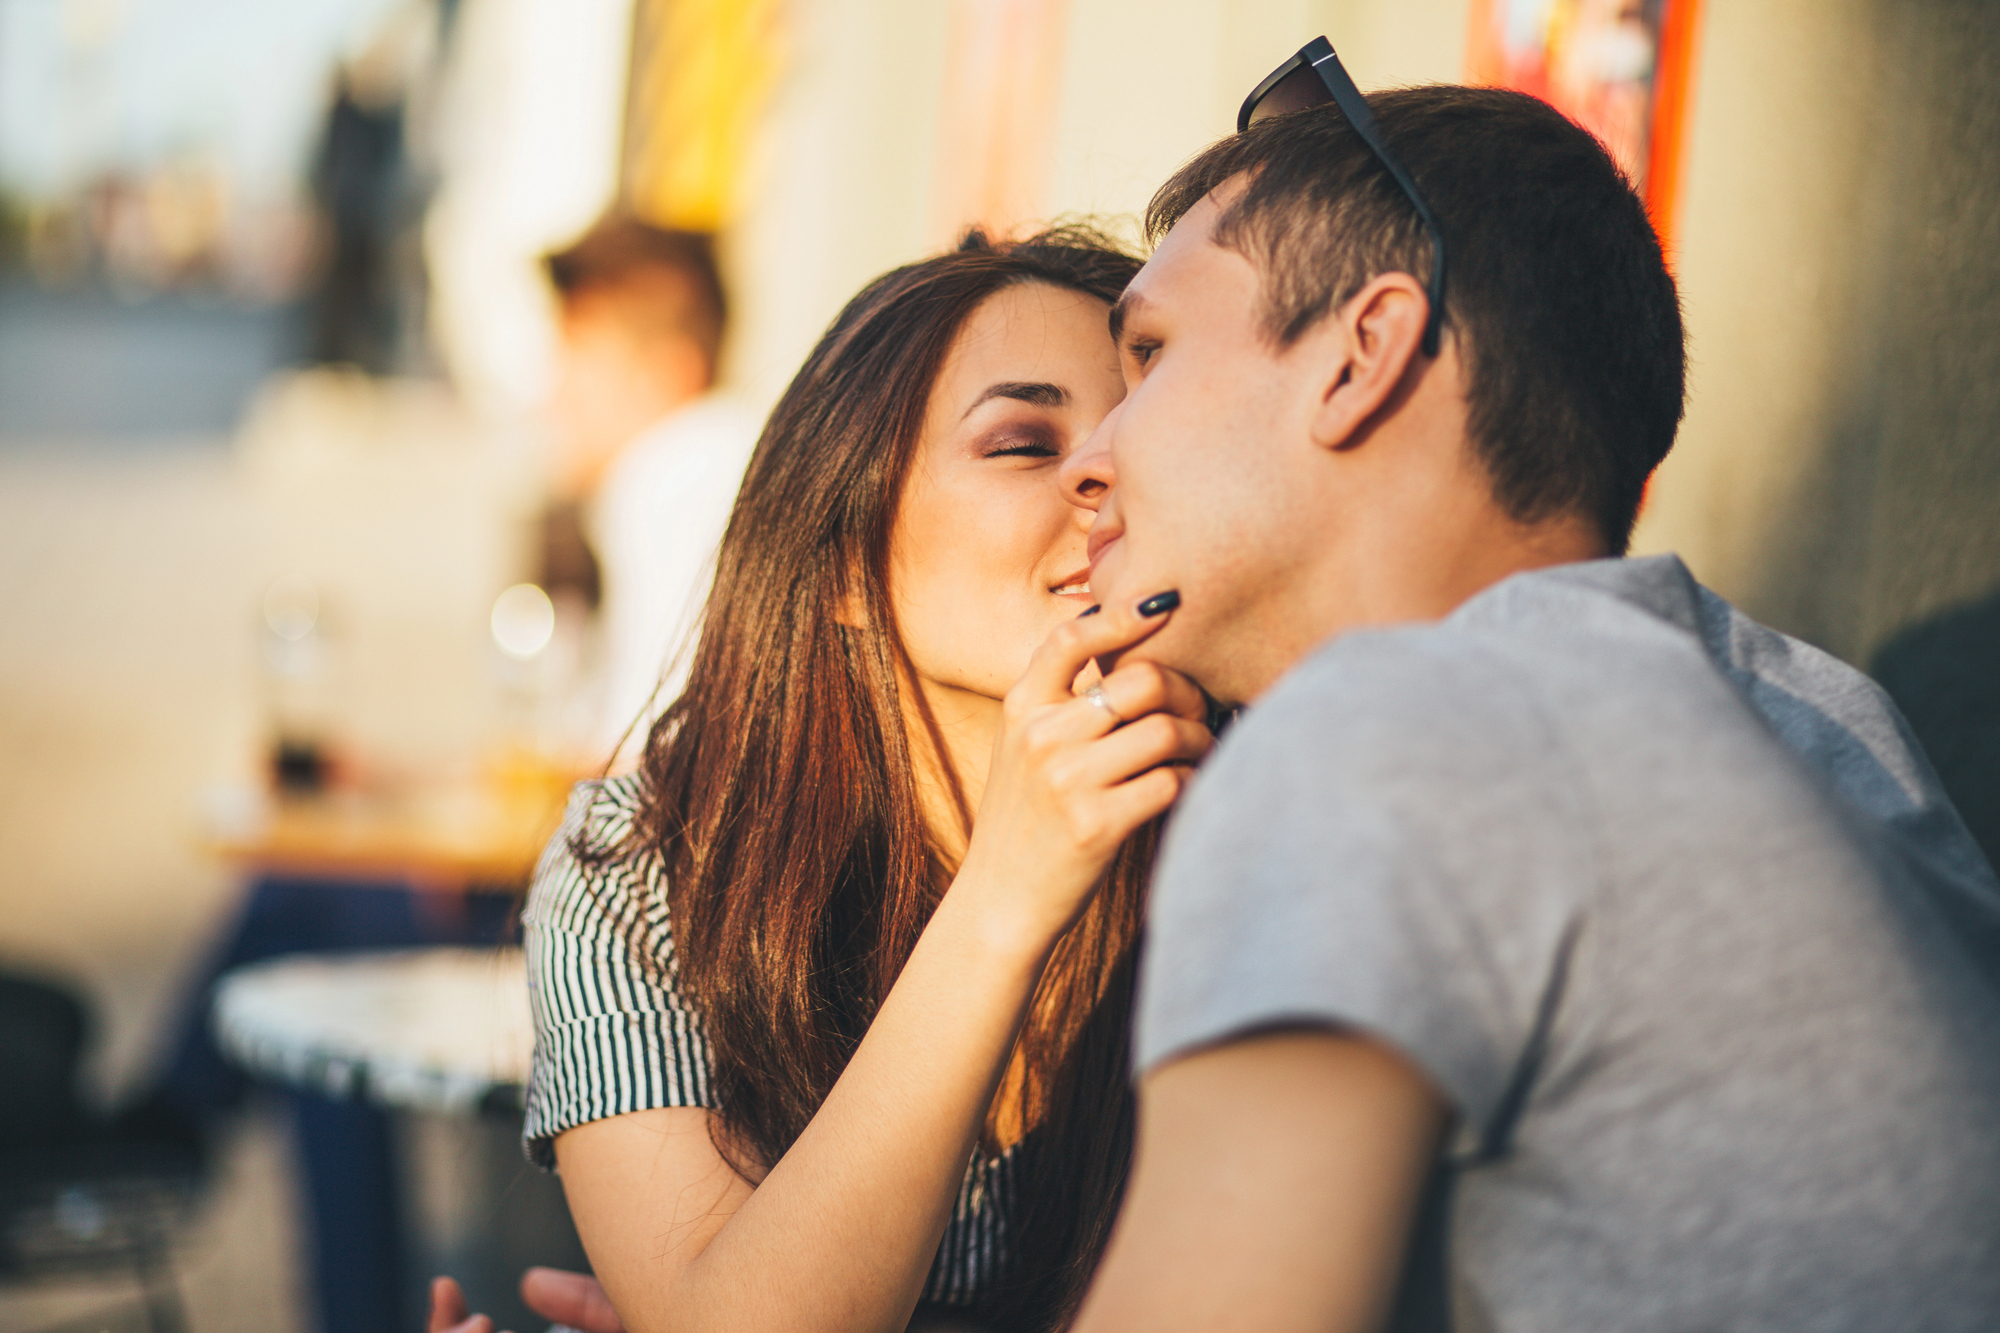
{"x":655,"y":523}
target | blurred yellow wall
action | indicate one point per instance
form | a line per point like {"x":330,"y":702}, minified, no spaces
{"x":1839,"y":471}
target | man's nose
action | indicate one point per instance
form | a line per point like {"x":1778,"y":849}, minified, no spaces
{"x":1087,"y":476}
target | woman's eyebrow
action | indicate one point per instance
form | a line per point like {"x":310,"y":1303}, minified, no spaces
{"x":1040,"y":393}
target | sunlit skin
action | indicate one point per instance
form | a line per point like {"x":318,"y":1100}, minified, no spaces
{"x":1288,"y":493}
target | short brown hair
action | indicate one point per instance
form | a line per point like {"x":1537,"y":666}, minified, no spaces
{"x":1557,"y":292}
{"x":621,"y":250}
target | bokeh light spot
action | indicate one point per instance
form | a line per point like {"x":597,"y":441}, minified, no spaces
{"x":524,"y":620}
{"x":291,"y":607}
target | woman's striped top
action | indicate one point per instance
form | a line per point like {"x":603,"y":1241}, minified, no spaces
{"x":613,"y":1032}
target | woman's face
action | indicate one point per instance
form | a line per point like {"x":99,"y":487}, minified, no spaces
{"x":988,"y":554}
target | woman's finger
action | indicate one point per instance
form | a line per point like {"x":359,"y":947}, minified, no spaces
{"x":1138,"y":688}
{"x":1156,"y":739}
{"x":1088,"y":718}
{"x":1130,"y":804}
{"x":447,"y":1305}
{"x":572,"y":1299}
{"x":1073,"y":646}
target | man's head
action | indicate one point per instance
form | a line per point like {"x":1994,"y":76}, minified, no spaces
{"x":640,"y":325}
{"x":1289,"y":459}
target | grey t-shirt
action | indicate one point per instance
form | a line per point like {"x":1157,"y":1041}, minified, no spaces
{"x":1672,"y":911}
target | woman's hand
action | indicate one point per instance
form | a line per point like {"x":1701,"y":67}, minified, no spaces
{"x":1073,"y":775}
{"x":574,"y":1300}
{"x":448,"y":1312}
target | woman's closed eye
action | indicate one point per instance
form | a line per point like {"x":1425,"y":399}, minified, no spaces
{"x":1020,"y":446}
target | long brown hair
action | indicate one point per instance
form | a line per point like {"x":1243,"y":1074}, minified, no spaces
{"x":782,"y":786}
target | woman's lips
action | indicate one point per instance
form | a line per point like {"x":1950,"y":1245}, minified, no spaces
{"x":1073,"y":585}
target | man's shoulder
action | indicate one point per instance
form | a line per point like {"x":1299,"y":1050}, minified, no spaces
{"x":1552,"y":678}
{"x":1599,"y":631}
{"x":1462,"y":681}
{"x":1404,"y":675}
{"x":1411,"y":727}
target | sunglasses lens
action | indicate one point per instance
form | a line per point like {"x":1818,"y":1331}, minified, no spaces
{"x":1295,"y":92}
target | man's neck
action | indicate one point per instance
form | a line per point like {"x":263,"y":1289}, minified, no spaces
{"x":1495,"y":550}
{"x":1370,"y":581}
{"x":592,"y":466}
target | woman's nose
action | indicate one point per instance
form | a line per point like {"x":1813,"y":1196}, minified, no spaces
{"x":1087,"y":475}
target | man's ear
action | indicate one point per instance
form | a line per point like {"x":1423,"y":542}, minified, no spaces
{"x":1370,"y":343}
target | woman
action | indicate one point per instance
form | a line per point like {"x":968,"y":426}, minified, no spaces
{"x":785,"y":988}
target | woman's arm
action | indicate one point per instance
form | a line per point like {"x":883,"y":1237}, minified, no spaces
{"x":841,"y":1233}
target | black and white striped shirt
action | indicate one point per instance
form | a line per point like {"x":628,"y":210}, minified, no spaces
{"x":613,"y":1035}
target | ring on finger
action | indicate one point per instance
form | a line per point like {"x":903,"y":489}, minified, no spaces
{"x":1096,"y":696}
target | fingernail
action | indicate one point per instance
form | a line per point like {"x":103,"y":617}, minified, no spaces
{"x":1160,"y":603}
{"x":1091,"y":612}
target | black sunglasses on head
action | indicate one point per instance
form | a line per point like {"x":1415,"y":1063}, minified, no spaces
{"x":1313,"y":77}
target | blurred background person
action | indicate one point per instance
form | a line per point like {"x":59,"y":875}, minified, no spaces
{"x":358,"y":183}
{"x":646,"y":459}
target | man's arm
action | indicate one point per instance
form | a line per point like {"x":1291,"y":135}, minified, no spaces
{"x":1274,"y":1188}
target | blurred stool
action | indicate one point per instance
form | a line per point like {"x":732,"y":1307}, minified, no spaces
{"x":79,"y":1197}
{"x":440,"y":1038}
{"x":346,"y":1149}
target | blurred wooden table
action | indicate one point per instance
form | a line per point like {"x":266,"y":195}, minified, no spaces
{"x":479,"y":829}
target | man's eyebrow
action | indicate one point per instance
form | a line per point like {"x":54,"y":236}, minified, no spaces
{"x":1038,"y":392}
{"x":1122,"y":310}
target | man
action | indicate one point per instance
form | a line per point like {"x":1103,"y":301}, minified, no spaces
{"x":1549,"y":947}
{"x":646,"y":457}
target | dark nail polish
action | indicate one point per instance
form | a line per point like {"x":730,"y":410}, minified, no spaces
{"x":1091,"y":612}
{"x":1160,"y":603}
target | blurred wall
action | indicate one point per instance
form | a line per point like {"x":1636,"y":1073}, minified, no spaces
{"x":1149,"y":85}
{"x":1839,"y":472}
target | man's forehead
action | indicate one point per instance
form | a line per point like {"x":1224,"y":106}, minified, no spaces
{"x":1187,"y":266}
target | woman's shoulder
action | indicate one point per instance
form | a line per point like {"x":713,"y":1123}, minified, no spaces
{"x":606,"y":807}
{"x":591,"y":873}
{"x":612,"y":1031}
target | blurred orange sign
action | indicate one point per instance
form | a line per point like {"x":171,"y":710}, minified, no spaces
{"x":1619,"y":68}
